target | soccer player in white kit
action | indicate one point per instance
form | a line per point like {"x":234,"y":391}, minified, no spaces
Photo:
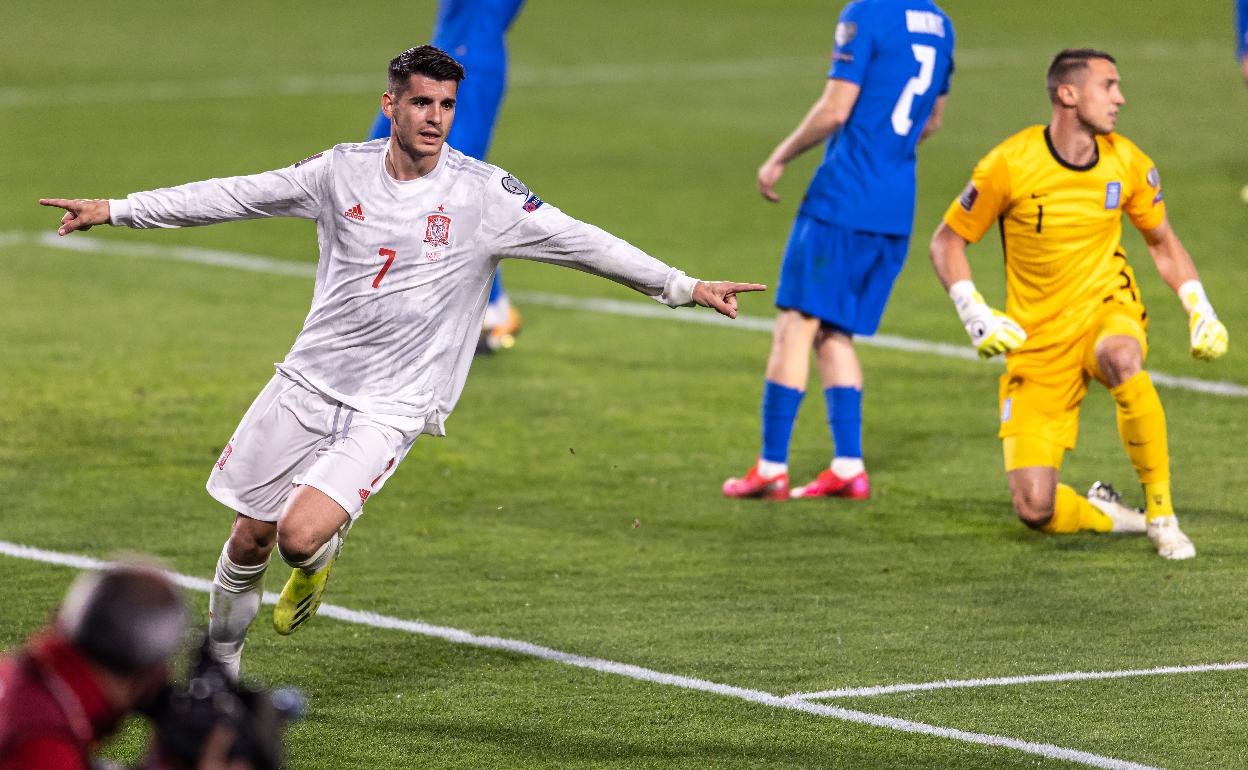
{"x":410,"y":232}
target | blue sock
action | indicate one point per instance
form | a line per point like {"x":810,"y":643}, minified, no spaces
{"x":780,"y":405}
{"x":845,"y":418}
{"x":496,"y":288}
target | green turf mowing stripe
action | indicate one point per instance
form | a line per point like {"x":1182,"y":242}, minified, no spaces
{"x":458,"y":636}
{"x":259,"y":264}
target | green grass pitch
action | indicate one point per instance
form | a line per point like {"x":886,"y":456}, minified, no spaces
{"x":575,"y":503}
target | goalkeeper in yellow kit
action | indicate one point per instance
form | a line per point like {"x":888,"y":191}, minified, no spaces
{"x":1073,"y":310}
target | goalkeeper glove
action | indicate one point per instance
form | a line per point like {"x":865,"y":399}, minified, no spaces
{"x":991,"y":331}
{"x":1208,"y":336}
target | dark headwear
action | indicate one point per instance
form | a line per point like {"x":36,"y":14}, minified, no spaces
{"x":126,"y":617}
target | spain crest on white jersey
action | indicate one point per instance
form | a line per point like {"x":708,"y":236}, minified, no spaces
{"x":438,"y":230}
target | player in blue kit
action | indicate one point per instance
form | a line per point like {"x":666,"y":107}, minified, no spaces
{"x":475,"y":33}
{"x":1241,"y":35}
{"x":885,"y":93}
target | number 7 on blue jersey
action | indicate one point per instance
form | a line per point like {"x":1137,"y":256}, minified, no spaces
{"x":915,"y":86}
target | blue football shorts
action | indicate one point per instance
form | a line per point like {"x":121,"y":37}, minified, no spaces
{"x":841,"y":276}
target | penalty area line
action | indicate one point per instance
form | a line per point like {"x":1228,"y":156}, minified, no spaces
{"x":602,"y":305}
{"x":1068,"y":676}
{"x":459,"y":636}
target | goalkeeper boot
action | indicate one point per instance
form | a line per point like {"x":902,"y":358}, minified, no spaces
{"x":500,"y":335}
{"x":1106,"y":499}
{"x":828,"y":484}
{"x":754,"y":484}
{"x":302,"y":594}
{"x":1170,"y":541}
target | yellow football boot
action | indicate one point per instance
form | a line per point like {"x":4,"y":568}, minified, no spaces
{"x":300,"y":599}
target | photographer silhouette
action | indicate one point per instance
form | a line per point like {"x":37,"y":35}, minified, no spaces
{"x":105,"y":656}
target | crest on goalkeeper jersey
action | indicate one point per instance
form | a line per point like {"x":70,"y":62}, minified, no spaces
{"x":1113,"y":193}
{"x":438,"y":230}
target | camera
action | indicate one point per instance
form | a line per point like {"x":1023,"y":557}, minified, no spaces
{"x":184,"y":716}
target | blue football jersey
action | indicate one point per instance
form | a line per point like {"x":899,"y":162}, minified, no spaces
{"x":900,"y":52}
{"x":474,"y":30}
{"x":1241,"y":27}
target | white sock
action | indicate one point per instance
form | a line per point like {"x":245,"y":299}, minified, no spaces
{"x":317,"y":561}
{"x":847,"y":467}
{"x":767,"y":469}
{"x":497,"y":311}
{"x":232,"y":605}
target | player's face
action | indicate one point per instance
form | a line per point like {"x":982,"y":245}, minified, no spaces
{"x":421,"y":116}
{"x":1100,"y":96}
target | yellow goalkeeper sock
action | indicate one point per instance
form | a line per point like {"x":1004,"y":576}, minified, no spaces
{"x":1157,"y":500}
{"x":1142,"y":426}
{"x":1073,"y":513}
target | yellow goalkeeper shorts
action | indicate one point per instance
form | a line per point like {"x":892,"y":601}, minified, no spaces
{"x":1041,"y":390}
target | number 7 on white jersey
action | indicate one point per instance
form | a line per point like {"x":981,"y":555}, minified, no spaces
{"x":915,"y":86}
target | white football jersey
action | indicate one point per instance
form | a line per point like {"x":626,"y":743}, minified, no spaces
{"x":405,"y":267}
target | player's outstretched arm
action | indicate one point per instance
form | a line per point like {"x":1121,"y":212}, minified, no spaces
{"x":990,"y":330}
{"x":80,"y":213}
{"x":721,"y":296}
{"x":824,"y":119}
{"x":1206,"y":334}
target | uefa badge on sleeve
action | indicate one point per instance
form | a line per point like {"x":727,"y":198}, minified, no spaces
{"x":846,"y":31}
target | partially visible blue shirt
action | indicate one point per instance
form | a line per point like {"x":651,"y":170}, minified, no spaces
{"x":900,"y":52}
{"x":1241,"y":28}
{"x":474,"y":32}
{"x":474,"y":28}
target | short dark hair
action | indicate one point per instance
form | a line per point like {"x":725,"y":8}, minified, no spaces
{"x":127,"y":617}
{"x":1068,"y":64}
{"x":427,"y":60}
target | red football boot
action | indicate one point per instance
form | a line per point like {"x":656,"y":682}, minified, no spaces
{"x":828,"y":484}
{"x":754,"y":485}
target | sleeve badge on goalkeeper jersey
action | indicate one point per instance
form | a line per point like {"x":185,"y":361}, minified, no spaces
{"x":969,"y":196}
{"x":1154,"y":178}
{"x":514,"y":186}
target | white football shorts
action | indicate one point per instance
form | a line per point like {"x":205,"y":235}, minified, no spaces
{"x":292,"y":435}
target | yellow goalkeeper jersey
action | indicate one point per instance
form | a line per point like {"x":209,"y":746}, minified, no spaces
{"x":1061,"y":226}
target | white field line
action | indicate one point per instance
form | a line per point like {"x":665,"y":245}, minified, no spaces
{"x":1069,"y":676}
{"x":258,"y":264}
{"x":522,"y":76}
{"x":458,"y":636}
